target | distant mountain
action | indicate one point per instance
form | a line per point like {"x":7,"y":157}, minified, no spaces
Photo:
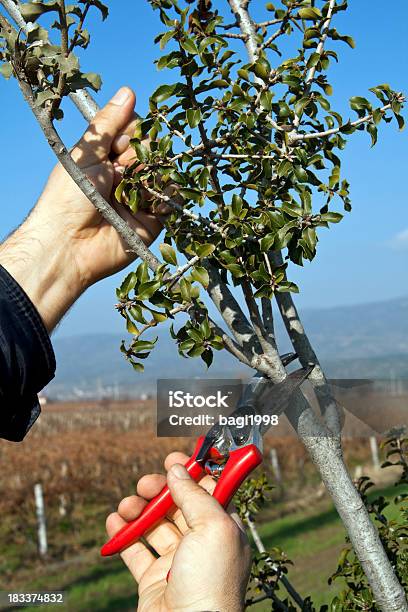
{"x":368,"y":340}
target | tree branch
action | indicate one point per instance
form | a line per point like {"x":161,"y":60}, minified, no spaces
{"x":319,"y":51}
{"x":281,"y":577}
{"x":247,"y":26}
{"x":184,"y":211}
{"x":295,"y":137}
{"x":256,"y":320}
{"x":81,"y":98}
{"x":307,"y":356}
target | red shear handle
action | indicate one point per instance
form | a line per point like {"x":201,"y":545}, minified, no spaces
{"x":154,"y":512}
{"x":240,"y":464}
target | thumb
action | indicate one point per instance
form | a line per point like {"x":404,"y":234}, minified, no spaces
{"x":95,"y":145}
{"x":197,"y":506}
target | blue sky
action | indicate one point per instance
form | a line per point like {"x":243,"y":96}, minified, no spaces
{"x":361,"y":260}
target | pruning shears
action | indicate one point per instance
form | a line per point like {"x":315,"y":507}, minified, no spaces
{"x":229,"y":453}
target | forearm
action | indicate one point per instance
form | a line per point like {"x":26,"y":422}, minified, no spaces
{"x":39,"y":257}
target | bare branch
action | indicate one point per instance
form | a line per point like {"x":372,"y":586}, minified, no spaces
{"x":247,"y":26}
{"x":267,"y":316}
{"x":231,"y":35}
{"x":256,"y":320}
{"x":230,"y":310}
{"x":266,"y":24}
{"x":174,"y":278}
{"x":295,"y":137}
{"x":231,"y":346}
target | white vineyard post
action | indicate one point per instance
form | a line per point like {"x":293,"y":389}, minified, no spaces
{"x":275,"y":466}
{"x":41,"y":523}
{"x":374,"y":452}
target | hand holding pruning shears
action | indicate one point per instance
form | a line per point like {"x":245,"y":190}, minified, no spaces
{"x":206,"y":547}
{"x":229,"y":453}
{"x":180,"y":519}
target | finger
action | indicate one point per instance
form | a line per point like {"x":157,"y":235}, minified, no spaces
{"x":207,"y":482}
{"x":147,"y":225}
{"x":165,"y":537}
{"x":96,"y":143}
{"x":127,"y":157}
{"x":121,"y":142}
{"x":130,"y":507}
{"x":150,"y":485}
{"x":137,"y":557}
{"x":198,"y":507}
{"x":147,"y":231}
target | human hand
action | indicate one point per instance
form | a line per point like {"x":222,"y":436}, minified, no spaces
{"x":205,"y":547}
{"x":65,"y":245}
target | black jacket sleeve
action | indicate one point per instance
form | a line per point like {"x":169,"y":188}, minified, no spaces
{"x":27,"y":361}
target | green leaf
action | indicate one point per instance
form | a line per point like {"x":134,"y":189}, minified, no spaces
{"x":146,"y":290}
{"x":185,"y":288}
{"x":6,"y":70}
{"x":144,"y":345}
{"x":300,"y":173}
{"x":136,"y":313}
{"x":168,"y":254}
{"x":164,"y":92}
{"x":200,"y":275}
{"x":189,"y":45}
{"x":301,"y":105}
{"x":31,"y":11}
{"x":359,"y":103}
{"x":207,"y":356}
{"x":94,"y":80}
{"x":205,"y":250}
{"x":131,"y":327}
{"x":166,"y":37}
{"x":266,"y":242}
{"x":237,"y":204}
{"x":142,"y":272}
{"x":205,"y":329}
{"x":142,"y":151}
{"x":288,"y":287}
{"x":193,"y":117}
{"x":235,"y":270}
{"x":196,"y":351}
{"x":331,"y":217}
{"x":195,"y":334}
{"x":313,"y":60}
{"x":373,"y":131}
{"x":310,"y":13}
{"x":266,"y":100}
{"x":334,"y":177}
{"x":128,"y":284}
{"x":159,"y":317}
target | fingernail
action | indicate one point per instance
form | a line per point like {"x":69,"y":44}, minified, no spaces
{"x":120,"y":97}
{"x":180,"y":472}
{"x":122,"y":142}
{"x":119,"y":169}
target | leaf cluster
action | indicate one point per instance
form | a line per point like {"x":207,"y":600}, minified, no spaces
{"x":45,"y":57}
